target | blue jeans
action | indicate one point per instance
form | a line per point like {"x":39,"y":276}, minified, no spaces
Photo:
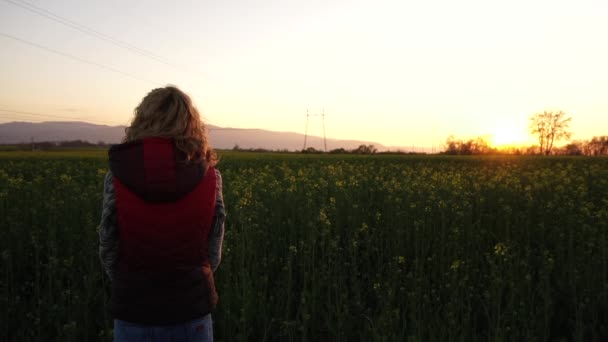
{"x":198,"y":330}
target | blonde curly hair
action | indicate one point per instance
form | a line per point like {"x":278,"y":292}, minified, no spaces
{"x":169,"y":113}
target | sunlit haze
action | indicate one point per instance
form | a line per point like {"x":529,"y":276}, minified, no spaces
{"x":401,"y":73}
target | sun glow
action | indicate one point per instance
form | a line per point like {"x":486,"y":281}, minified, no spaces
{"x":506,"y":135}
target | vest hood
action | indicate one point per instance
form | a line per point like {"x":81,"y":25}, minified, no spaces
{"x":152,"y":169}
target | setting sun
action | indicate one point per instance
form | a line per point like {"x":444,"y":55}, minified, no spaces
{"x":508,"y":135}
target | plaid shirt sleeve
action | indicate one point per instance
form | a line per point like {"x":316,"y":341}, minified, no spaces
{"x":108,"y":228}
{"x":216,"y":236}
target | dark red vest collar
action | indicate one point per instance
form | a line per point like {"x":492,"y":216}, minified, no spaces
{"x":154,"y":169}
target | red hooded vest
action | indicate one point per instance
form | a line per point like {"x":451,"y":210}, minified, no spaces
{"x":164,"y":212}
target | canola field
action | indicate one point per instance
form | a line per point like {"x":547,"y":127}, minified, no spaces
{"x":335,"y":248}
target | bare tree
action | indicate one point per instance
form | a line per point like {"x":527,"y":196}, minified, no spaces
{"x":573,"y":149}
{"x":598,"y":146}
{"x":477,"y":145}
{"x":365,"y":149}
{"x":550,"y":127}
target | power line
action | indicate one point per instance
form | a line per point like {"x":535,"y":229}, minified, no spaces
{"x":86,"y":30}
{"x":92,"y":32}
{"x":79,"y":59}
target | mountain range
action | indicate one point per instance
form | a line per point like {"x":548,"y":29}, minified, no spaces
{"x":220,"y":137}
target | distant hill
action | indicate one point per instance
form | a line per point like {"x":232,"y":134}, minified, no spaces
{"x":23,"y":132}
{"x":222,"y":138}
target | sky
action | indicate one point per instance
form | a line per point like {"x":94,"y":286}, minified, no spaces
{"x":400,"y":73}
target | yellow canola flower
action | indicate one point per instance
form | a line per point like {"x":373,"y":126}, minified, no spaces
{"x":456,"y":264}
{"x":500,"y":249}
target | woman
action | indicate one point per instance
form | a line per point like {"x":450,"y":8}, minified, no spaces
{"x":162,"y":223}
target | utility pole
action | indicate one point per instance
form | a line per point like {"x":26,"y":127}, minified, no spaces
{"x":434,"y":139}
{"x":308,"y":115}
{"x":324,"y":139}
{"x":306,"y":130}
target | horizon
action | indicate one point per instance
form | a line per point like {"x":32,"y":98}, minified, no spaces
{"x":264,"y":141}
{"x":399,"y":74}
{"x":214,"y":128}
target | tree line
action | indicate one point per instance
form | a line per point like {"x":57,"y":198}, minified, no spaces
{"x":549,"y":127}
{"x":597,"y":146}
{"x":361,"y":149}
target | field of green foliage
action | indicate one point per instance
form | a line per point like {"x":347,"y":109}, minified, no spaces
{"x":340,"y":248}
